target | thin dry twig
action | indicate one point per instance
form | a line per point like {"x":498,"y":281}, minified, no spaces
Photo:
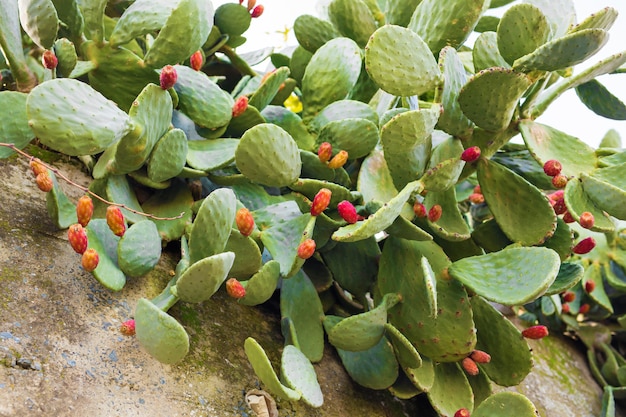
{"x":59,"y":174}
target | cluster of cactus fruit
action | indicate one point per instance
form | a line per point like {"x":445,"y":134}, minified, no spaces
{"x":368,"y":179}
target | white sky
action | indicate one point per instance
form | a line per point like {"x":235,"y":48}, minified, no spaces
{"x":566,"y":114}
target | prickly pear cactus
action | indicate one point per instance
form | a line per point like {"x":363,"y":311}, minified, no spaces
{"x":366,"y":176}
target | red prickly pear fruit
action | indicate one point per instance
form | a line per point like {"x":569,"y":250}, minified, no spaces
{"x":569,"y":296}
{"x":320,"y":201}
{"x":565,"y":308}
{"x":568,"y":218}
{"x":478,"y":190}
{"x":420,"y":210}
{"x":584,"y":246}
{"x":77,"y":237}
{"x":196,"y":60}
{"x":590,"y":286}
{"x":115,"y":220}
{"x":257,"y":11}
{"x":470,"y":366}
{"x":251,"y":4}
{"x":235,"y":289}
{"x":37,"y":167}
{"x":476,"y":198}
{"x":49,"y":59}
{"x":90,"y":260}
{"x":325,"y":152}
{"x":559,"y":181}
{"x":557,"y":195}
{"x":245,"y":221}
{"x":338,"y":160}
{"x":584,"y":309}
{"x":471,"y":154}
{"x":462,"y":412}
{"x":128,"y":328}
{"x":535,"y":332}
{"x":44,"y":182}
{"x":347,"y":212}
{"x":434,"y":214}
{"x":552,"y":167}
{"x":306,"y":249}
{"x":559,"y":206}
{"x":84,"y":210}
{"x":240,"y":106}
{"x":480,"y":356}
{"x":168,"y":77}
{"x":586,"y":220}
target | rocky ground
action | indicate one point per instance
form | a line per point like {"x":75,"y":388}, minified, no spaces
{"x":61,"y":353}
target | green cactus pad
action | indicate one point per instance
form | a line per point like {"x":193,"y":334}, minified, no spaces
{"x":522,"y":29}
{"x":327,"y":78}
{"x":262,"y":285}
{"x":375,"y":368}
{"x":452,"y":120}
{"x":407,"y":144}
{"x":528,"y":270}
{"x":401,"y":227}
{"x":298,"y":373}
{"x":450,"y":336}
{"x":511,"y":358}
{"x":247,"y":254}
{"x":599,"y":99}
{"x":353,"y":19}
{"x":374,"y":181}
{"x":263,"y":369}
{"x":238,"y":125}
{"x":451,"y":225}
{"x":563,"y":52}
{"x":203,"y":278}
{"x":602,"y":19}
{"x":184,"y":32}
{"x":118,"y":191}
{"x":232,"y":19}
{"x":292,"y":123}
{"x":545,"y":143}
{"x":171,"y":202}
{"x":299,"y":60}
{"x":152,"y":112}
{"x":313,"y":168}
{"x":606,"y":187}
{"x":211,"y":154}
{"x":14,"y":122}
{"x":66,"y":54}
{"x":487,"y":23}
{"x":511,"y":198}
{"x":270,"y":87}
{"x":486,"y":54}
{"x":107,"y":272}
{"x":561,"y":240}
{"x":93,"y":15}
{"x":139,"y":250}
{"x":212,"y":224}
{"x":481,"y":387}
{"x":561,"y":14}
{"x":356,"y":136}
{"x":268,"y":155}
{"x":85,"y":125}
{"x":61,"y":210}
{"x":577,"y":202}
{"x":168,"y":156}
{"x":160,"y":334}
{"x":300,"y":303}
{"x":423,"y":377}
{"x":313,"y":32}
{"x":451,"y":390}
{"x":569,"y":275}
{"x":40,"y":21}
{"x":282,"y":240}
{"x":407,"y":355}
{"x":362,"y":331}
{"x":353,"y":265}
{"x":380,"y":220}
{"x":443,"y":175}
{"x":343,"y":109}
{"x":514,"y":403}
{"x":403,"y":388}
{"x":399,"y":12}
{"x":140,"y":18}
{"x":201,"y":99}
{"x":415,"y":68}
{"x":490,"y":97}
{"x":593,"y":273}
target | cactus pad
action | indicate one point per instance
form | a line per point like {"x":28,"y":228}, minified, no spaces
{"x":261,"y":286}
{"x":40,"y":21}
{"x":513,"y":402}
{"x":451,"y":390}
{"x":14,"y":121}
{"x":486,"y":54}
{"x":203,"y":278}
{"x":522,"y":29}
{"x":139,"y":250}
{"x":407,"y":355}
{"x":312,"y":32}
{"x":606,"y":187}
{"x":355,"y":136}
{"x":452,"y":120}
{"x":168,"y":156}
{"x":107,"y":271}
{"x":353,"y":19}
{"x":141,"y":17}
{"x":299,"y":374}
{"x":578,"y":202}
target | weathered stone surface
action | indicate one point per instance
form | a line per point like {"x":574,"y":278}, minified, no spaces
{"x":61,"y":353}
